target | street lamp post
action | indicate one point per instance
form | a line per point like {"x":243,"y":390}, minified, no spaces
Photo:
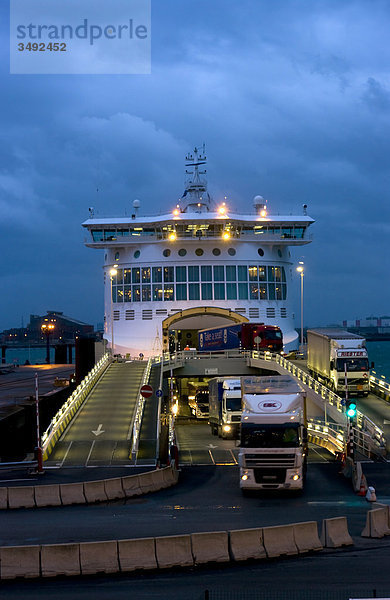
{"x":301,"y":271}
{"x":47,"y":329}
{"x":113,"y":273}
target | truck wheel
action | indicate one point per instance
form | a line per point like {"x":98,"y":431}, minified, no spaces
{"x":214,"y":430}
{"x":219,"y":431}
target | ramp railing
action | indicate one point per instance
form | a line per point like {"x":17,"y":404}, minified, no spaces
{"x":67,"y":411}
{"x":139,"y":412}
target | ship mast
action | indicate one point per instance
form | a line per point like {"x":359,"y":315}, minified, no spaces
{"x":196,"y":197}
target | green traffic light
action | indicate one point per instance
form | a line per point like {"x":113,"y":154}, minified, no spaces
{"x":351,"y":410}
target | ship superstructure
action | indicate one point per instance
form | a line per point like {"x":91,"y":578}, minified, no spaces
{"x":195,"y":267}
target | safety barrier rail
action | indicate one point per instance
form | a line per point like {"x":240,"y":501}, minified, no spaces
{"x":334,"y":435}
{"x":71,"y":406}
{"x":139,"y":412}
{"x":379,"y":384}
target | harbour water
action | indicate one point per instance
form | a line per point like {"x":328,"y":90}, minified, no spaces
{"x":35,"y":356}
{"x":379,"y":353}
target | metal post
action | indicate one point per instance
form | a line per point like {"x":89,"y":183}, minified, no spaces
{"x":112,"y":322}
{"x":302,"y":272}
{"x":39,"y":448}
{"x":47,"y":348}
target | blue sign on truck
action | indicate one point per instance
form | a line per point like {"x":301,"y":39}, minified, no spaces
{"x":220,"y":338}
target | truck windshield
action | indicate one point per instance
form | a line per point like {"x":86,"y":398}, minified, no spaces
{"x":269,"y":436}
{"x":272,"y":335}
{"x":233,"y":404}
{"x":353,"y":364}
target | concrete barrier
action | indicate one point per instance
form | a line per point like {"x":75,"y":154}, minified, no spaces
{"x":19,"y":561}
{"x":335,"y":533}
{"x":60,"y":559}
{"x":174,"y":551}
{"x":247,"y":543}
{"x":72,"y":493}
{"x":3,"y":498}
{"x":377,"y":523}
{"x":158,"y":477}
{"x":94,"y":491}
{"x":137,"y":554}
{"x":306,"y":536}
{"x":21,"y":497}
{"x":99,"y":557}
{"x":169,"y":478}
{"x":47,"y":495}
{"x":210,"y":546}
{"x":131,"y":486}
{"x":113,"y":488}
{"x":279,"y":540}
{"x":147,"y":482}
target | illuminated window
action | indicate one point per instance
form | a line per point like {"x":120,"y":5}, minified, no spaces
{"x":157,"y":293}
{"x":169,"y":293}
{"x":168,"y":274}
{"x":253,"y":291}
{"x":145,"y":274}
{"x":136,"y":293}
{"x":135,"y":275}
{"x":263,"y":291}
{"x":253,"y":273}
{"x":127,"y":297}
{"x":127,"y":276}
{"x":146,"y":293}
{"x":262,"y":273}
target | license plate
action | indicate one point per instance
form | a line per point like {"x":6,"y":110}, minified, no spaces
{"x":359,"y":387}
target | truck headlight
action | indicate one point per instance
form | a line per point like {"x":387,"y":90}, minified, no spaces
{"x":295,"y":477}
{"x":244,"y":477}
{"x":227,"y":428}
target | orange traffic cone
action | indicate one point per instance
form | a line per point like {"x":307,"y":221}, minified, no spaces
{"x":363,"y":486}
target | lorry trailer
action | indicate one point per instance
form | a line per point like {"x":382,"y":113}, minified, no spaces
{"x":273,"y":437}
{"x":225,"y":406}
{"x":244,"y":336}
{"x":333,"y":354}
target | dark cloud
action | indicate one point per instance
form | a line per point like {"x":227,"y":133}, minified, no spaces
{"x":292,"y":99}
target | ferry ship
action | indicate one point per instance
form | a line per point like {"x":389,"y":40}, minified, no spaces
{"x":200,"y":265}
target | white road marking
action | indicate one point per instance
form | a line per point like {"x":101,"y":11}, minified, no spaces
{"x":66,"y":453}
{"x":234,"y":458}
{"x":99,"y":430}
{"x":90,"y":452}
{"x":212,"y":457}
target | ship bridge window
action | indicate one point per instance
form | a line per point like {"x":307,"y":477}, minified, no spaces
{"x":287,"y":232}
{"x":122,"y":232}
{"x":109,"y":235}
{"x":206,"y":274}
{"x":157,"y":274}
{"x":299,"y":232}
{"x":97,"y":235}
{"x":142,"y":231}
{"x":259,"y":229}
{"x":193,"y":275}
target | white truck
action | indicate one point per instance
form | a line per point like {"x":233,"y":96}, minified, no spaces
{"x":331,"y":352}
{"x":225,"y":406}
{"x":273,"y":437}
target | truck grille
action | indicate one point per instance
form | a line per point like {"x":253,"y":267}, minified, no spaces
{"x":270,"y":476}
{"x":236,"y":418}
{"x":285,"y":461}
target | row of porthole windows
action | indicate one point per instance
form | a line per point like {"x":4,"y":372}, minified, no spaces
{"x":199,"y":252}
{"x":198,"y":291}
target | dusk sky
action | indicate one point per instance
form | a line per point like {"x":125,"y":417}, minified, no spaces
{"x":292,"y":99}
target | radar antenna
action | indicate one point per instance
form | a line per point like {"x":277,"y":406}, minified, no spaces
{"x":196,"y":197}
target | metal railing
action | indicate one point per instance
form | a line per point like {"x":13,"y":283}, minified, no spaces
{"x":139,"y":411}
{"x":67,"y":411}
{"x":379,"y":384}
